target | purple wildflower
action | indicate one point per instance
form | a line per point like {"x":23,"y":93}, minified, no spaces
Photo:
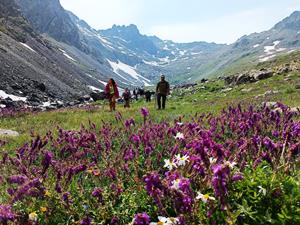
{"x":141,"y":219}
{"x":97,"y":193}
{"x":47,"y":160}
{"x":145,"y":112}
{"x":237,"y":177}
{"x":17,"y":179}
{"x":6,"y":213}
{"x":86,"y":221}
{"x":114,"y":221}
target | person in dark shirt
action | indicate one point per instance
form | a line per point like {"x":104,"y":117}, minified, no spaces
{"x":148,"y":96}
{"x":126,"y":96}
{"x":162,"y":91}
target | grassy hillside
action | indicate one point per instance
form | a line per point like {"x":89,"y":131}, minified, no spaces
{"x":209,"y":97}
{"x":189,"y":164}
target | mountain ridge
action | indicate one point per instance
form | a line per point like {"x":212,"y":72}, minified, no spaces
{"x":87,"y":57}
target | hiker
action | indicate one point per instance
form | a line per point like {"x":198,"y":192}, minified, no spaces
{"x":126,"y":96}
{"x":148,"y":96}
{"x":112,"y":93}
{"x":162,"y":91}
{"x":135,"y":94}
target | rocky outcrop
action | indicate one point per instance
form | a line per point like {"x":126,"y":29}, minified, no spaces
{"x":248,"y":77}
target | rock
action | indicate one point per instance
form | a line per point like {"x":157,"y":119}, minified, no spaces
{"x":34,"y":99}
{"x":9,"y":133}
{"x":41,"y":87}
{"x":295,"y":110}
{"x":203,"y":81}
{"x":283,"y":70}
{"x":247,"y":90}
{"x":245,"y":78}
{"x":297,"y":86}
{"x":262,"y":75}
{"x":9,"y":103}
{"x":227,"y":90}
{"x":278,"y":110}
{"x":269,"y":104}
{"x":96,"y":96}
{"x":267,"y":93}
{"x":83,"y":99}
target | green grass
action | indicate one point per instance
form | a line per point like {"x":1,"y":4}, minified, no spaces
{"x":207,"y":98}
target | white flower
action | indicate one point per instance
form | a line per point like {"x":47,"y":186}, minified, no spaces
{"x":175,"y":184}
{"x":231,"y":164}
{"x":179,"y":136}
{"x":170,"y":165}
{"x":204,"y":198}
{"x":166,"y":221}
{"x":33,"y":216}
{"x":212,"y":160}
{"x":181,"y":160}
{"x":179,"y":124}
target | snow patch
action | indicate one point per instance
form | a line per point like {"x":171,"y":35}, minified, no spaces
{"x":270,"y":49}
{"x":4,"y":95}
{"x":103,"y":82}
{"x":27,"y":46}
{"x":182,"y":53}
{"x":66,"y":55}
{"x":266,"y":58}
{"x":120,"y":66}
{"x":255,"y":46}
{"x":94,"y":88}
{"x":196,"y":53}
{"x":151,"y":63}
{"x":166,"y":47}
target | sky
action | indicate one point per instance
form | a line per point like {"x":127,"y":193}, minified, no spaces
{"x":220,"y":21}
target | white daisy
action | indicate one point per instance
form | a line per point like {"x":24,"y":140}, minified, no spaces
{"x":170,"y":165}
{"x":181,"y":160}
{"x":179,"y":136}
{"x":204,"y":198}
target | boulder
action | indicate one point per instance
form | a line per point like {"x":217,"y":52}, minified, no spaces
{"x":9,"y":133}
{"x":96,"y":96}
{"x":262,"y":75}
{"x":271,"y":105}
{"x":295,"y":110}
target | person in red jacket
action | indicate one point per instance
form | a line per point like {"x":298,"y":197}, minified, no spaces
{"x":112,"y":93}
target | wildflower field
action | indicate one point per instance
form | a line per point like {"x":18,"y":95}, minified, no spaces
{"x":191,"y":164}
{"x":240,"y":167}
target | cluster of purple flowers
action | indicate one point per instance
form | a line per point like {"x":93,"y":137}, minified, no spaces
{"x":102,"y":167}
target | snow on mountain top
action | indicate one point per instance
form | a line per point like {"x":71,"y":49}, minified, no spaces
{"x":4,"y":95}
{"x":27,"y":46}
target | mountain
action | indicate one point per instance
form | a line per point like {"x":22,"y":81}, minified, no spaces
{"x":35,"y":68}
{"x":54,"y":48}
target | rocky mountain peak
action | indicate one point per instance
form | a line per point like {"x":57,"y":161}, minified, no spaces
{"x":48,"y":16}
{"x":292,"y":22}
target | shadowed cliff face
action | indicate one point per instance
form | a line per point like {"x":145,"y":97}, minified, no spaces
{"x":48,"y":16}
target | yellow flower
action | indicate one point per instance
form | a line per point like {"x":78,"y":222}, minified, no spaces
{"x":47,"y":193}
{"x":43,"y":209}
{"x":33,"y":216}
